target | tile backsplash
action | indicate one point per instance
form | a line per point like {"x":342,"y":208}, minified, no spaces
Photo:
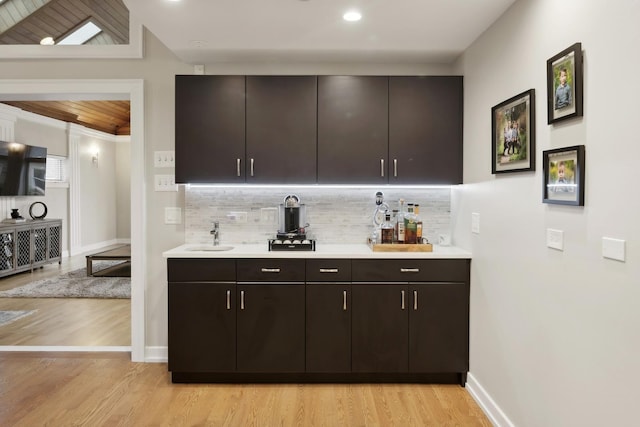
{"x":335,"y":215}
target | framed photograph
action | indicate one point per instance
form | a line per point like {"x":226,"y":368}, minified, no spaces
{"x":513,"y":142}
{"x":564,"y":84}
{"x":563,"y":177}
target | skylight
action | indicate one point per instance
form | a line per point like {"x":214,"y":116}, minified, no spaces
{"x":82,"y":34}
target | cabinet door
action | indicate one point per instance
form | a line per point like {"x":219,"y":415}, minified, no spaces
{"x":379,"y":334}
{"x":425,"y":130}
{"x":439,"y":327}
{"x":270,"y":328}
{"x":202,"y":327}
{"x":281,"y":129}
{"x":352,"y":129}
{"x":328,"y":327}
{"x":210,"y":129}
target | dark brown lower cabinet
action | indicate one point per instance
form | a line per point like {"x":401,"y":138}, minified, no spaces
{"x":202,"y":327}
{"x":328,"y":325}
{"x":270,"y":328}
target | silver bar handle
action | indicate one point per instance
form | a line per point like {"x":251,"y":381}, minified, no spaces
{"x":382,"y":168}
{"x":328,"y":270}
{"x":409,"y":270}
{"x":402,"y":304}
{"x":241,"y":300}
{"x":238,"y":167}
{"x":415,"y":300}
{"x":270,"y":270}
{"x":395,"y":167}
{"x":344,"y":300}
{"x":251,"y":167}
{"x":228,"y":299}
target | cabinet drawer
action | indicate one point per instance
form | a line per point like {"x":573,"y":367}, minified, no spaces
{"x":201,"y":270}
{"x":410,"y":270}
{"x":271,"y":270}
{"x":328,"y":270}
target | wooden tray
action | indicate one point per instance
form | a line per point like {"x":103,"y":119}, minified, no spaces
{"x":398,"y":247}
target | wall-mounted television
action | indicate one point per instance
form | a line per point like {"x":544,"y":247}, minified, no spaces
{"x":23,"y":169}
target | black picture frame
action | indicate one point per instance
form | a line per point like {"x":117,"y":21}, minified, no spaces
{"x":563,"y":176}
{"x":564,"y":99}
{"x":513,"y":134}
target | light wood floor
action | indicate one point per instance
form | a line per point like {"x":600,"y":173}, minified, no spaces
{"x":64,"y":321}
{"x":106,"y":389}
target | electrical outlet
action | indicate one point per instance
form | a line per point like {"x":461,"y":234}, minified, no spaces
{"x":240,"y":217}
{"x":268,"y":215}
{"x":172,"y":215}
{"x":164,"y":159}
{"x":198,"y":69}
{"x":475,"y":223}
{"x":165,"y":183}
{"x":555,"y":239}
{"x":613,"y":249}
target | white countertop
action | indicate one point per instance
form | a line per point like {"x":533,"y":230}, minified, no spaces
{"x":322,"y":251}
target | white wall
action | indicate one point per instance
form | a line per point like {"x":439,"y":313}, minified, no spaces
{"x":555,"y":335}
{"x":123,"y":185}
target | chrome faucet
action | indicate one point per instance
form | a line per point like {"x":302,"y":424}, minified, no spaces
{"x":216,"y":233}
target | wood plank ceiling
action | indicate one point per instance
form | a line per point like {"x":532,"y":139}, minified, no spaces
{"x":29,"y":21}
{"x":111,"y":117}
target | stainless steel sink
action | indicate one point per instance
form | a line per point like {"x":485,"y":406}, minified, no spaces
{"x":208,"y":248}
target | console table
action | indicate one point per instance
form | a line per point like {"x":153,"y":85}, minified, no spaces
{"x":30,"y":244}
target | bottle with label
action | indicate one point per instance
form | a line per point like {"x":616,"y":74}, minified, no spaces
{"x":387,"y":229}
{"x":416,"y":211}
{"x":394,"y":223}
{"x":410,"y":226}
{"x":400,"y":222}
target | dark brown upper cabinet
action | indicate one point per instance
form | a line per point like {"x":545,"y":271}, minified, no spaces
{"x":425,"y":130}
{"x":210,"y":129}
{"x":352,"y":129}
{"x":281,"y":129}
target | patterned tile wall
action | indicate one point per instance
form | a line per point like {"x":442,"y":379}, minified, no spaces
{"x":335,"y":215}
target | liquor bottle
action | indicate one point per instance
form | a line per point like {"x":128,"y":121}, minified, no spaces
{"x":416,"y":210}
{"x":394,"y":223}
{"x":387,"y":229}
{"x":410,"y":226}
{"x":400,"y":222}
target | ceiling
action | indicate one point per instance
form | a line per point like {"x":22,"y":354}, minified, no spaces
{"x":417,"y":31}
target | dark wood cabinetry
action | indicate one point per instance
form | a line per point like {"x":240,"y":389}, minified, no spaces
{"x":281,"y":129}
{"x":352,"y":129}
{"x":318,"y":319}
{"x":425,"y":130}
{"x":210,"y":129}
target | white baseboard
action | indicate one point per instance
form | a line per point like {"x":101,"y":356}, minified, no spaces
{"x":97,"y":246}
{"x":65,"y":348}
{"x":156,"y":354}
{"x":486,"y":403}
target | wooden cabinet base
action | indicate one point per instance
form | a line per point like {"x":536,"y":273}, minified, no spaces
{"x":233,"y":378}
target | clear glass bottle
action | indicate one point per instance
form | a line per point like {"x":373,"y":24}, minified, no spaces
{"x":410,"y":226}
{"x":394,"y":223}
{"x":416,"y":211}
{"x":400,"y":222}
{"x":387,"y":229}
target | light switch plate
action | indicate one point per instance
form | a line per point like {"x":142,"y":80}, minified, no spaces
{"x":475,"y":223}
{"x":165,"y":183}
{"x":172,"y":215}
{"x":164,"y":159}
{"x":613,"y":249}
{"x":555,"y":239}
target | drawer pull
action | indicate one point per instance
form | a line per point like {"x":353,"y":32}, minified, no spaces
{"x":251,"y":167}
{"x":395,"y":168}
{"x":409,"y":270}
{"x":328,"y":270}
{"x":228,"y":299}
{"x":238,"y":167}
{"x":344,"y":300}
{"x":382,"y":168}
{"x":415,"y":300}
{"x":402,"y":299}
{"x":270,"y":270}
{"x":241,"y":300}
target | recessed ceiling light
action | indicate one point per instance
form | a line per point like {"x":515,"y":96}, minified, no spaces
{"x":352,"y":16}
{"x":47,"y":41}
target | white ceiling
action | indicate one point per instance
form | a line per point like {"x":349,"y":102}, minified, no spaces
{"x":422,"y":31}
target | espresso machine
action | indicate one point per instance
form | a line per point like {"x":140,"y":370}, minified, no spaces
{"x":292,"y":230}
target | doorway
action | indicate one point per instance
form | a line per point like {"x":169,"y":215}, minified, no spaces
{"x":132,"y":90}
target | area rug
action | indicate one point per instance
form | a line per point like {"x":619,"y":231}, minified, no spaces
{"x":74,"y":284}
{"x":7,"y":317}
